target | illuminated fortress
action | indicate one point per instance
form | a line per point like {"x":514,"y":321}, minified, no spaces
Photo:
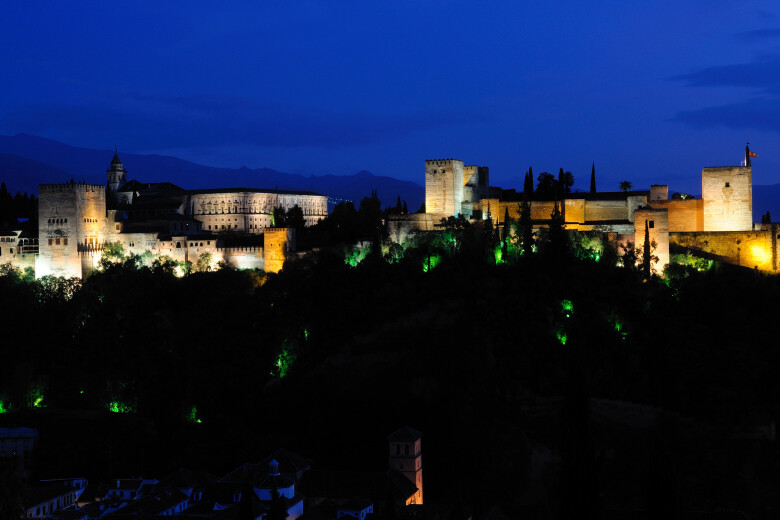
{"x":235,"y":226}
{"x":718,"y":226}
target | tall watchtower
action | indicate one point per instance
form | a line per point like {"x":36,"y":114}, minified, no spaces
{"x":444,"y":187}
{"x":406,"y":458}
{"x":116,"y":175}
{"x":71,"y":219}
{"x":727,"y":192}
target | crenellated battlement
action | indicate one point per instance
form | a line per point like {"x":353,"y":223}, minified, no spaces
{"x":439,"y":162}
{"x":245,"y":249}
{"x":70,"y":187}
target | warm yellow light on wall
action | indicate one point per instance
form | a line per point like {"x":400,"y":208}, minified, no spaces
{"x":760,"y":254}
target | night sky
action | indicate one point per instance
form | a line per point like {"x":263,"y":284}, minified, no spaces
{"x":650,"y":91}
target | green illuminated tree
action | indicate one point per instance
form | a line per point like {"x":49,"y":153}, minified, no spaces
{"x":204,"y":263}
{"x":507,"y":225}
{"x":646,"y":253}
{"x":279,"y":217}
{"x":525,"y":228}
{"x":113,"y":252}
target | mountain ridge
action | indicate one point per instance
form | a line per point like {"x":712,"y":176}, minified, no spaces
{"x":20,"y":151}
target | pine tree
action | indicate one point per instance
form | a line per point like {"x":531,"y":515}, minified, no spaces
{"x":593,"y":178}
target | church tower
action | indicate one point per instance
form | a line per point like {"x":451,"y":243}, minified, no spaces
{"x":116,"y":175}
{"x":406,"y":458}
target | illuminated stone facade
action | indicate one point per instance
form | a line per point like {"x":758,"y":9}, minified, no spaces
{"x":250,"y":210}
{"x":71,"y":219}
{"x":718,"y":225}
{"x":76,"y":220}
{"x":728,"y":198}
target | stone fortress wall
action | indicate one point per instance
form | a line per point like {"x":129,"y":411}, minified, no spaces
{"x":718,"y":225}
{"x":75,"y":223}
{"x":71,"y":218}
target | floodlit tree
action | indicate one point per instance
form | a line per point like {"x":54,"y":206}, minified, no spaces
{"x":204,"y":263}
{"x":646,"y":254}
{"x":525,"y":231}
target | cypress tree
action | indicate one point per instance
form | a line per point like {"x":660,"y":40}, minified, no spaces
{"x":507,"y":224}
{"x":528,"y":186}
{"x":593,"y":178}
{"x":525,"y":226}
{"x":768,"y":218}
{"x":646,"y":254}
{"x":561,"y":184}
{"x":557,"y":236}
{"x":405,"y":210}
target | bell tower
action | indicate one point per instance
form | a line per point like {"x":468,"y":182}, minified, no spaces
{"x":116,"y":175}
{"x":406,"y":458}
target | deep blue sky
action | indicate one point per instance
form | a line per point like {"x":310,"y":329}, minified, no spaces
{"x":650,"y":91}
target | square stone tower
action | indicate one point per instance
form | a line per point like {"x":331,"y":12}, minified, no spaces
{"x":278,"y":243}
{"x":444,"y":187}
{"x":658,"y":229}
{"x":727,"y":192}
{"x":406,"y":458}
{"x":71,"y":218}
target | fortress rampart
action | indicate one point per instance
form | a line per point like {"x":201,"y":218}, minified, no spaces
{"x":719,"y":224}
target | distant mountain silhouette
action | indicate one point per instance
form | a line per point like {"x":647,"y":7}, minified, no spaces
{"x":24,"y":175}
{"x":27,"y":160}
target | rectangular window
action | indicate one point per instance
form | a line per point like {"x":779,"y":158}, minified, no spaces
{"x":50,"y":241}
{"x":652,"y":224}
{"x":65,"y":241}
{"x":57,"y":241}
{"x":727,"y":184}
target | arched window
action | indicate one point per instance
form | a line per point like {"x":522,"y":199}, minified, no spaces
{"x":178,"y":245}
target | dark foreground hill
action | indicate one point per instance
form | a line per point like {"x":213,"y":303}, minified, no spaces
{"x":542,"y":382}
